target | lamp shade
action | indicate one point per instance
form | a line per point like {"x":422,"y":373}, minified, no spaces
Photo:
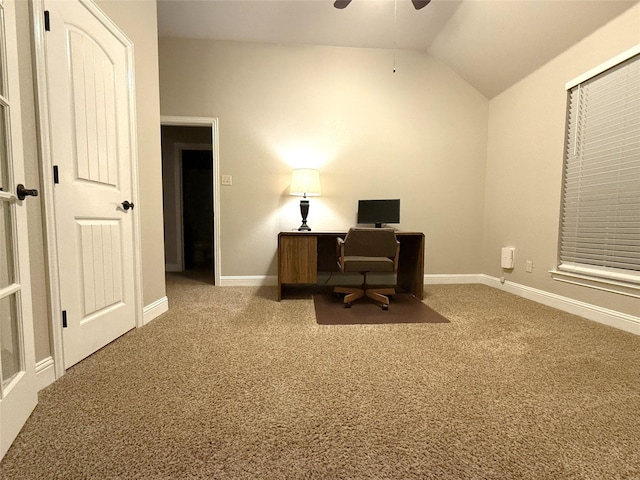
{"x":305,"y":182}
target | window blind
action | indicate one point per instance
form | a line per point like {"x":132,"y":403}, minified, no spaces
{"x":600,"y":222}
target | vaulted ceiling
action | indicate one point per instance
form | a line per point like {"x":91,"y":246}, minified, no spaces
{"x":492,"y":44}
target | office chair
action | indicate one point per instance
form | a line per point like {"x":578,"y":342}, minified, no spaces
{"x":367,"y":250}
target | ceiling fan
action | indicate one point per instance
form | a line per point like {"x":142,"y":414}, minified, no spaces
{"x":417,"y":4}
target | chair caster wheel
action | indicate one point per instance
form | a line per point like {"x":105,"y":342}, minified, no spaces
{"x":347,"y":305}
{"x":385,"y":307}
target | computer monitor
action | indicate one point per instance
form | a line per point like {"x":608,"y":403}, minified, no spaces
{"x":378,"y":212}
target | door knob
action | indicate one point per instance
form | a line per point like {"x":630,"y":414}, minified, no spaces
{"x":24,"y":192}
{"x":127,"y":205}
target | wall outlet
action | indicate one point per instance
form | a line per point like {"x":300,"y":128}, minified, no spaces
{"x":226,"y":180}
{"x":529,"y":266}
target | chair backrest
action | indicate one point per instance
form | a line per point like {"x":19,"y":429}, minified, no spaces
{"x":370,"y":242}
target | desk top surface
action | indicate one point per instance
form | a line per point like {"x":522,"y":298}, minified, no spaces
{"x":334,"y":233}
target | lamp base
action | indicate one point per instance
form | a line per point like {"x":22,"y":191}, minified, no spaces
{"x":304,"y":211}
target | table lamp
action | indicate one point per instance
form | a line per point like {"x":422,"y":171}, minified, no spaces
{"x":305,"y":182}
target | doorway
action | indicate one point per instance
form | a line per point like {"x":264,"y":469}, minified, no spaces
{"x":189,"y":166}
{"x":197,"y":213}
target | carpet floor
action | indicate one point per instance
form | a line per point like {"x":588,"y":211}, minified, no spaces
{"x":231,"y":384}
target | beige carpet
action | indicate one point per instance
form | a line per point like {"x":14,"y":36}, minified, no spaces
{"x":231,"y":384}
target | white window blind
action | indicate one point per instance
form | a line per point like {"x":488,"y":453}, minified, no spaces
{"x":600,"y":225}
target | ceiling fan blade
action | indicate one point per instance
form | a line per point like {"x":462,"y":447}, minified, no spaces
{"x":418,"y":4}
{"x":341,"y":3}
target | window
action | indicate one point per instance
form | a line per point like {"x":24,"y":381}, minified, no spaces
{"x":600,"y":218}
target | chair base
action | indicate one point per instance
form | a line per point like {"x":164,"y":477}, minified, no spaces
{"x":379,"y":295}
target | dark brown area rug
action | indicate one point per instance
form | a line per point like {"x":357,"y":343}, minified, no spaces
{"x":404,"y":308}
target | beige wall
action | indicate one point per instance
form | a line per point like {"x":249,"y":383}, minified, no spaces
{"x":418,"y":134}
{"x":138,"y":20}
{"x":524,"y":166}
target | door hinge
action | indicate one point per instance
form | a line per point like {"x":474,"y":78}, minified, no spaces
{"x":64,"y":319}
{"x":56,"y":179}
{"x":47,"y":25}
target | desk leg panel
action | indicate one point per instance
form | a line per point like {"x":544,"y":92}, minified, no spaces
{"x":411,"y":264}
{"x":297,"y":260}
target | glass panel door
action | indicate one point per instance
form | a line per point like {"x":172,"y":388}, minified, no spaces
{"x":11,"y":351}
{"x":18,"y":393}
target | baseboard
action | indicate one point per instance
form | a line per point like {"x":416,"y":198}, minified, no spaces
{"x":612,"y":318}
{"x":155,"y":309}
{"x":45,"y":373}
{"x":171,"y":267}
{"x":249,"y":281}
{"x":454,"y":279}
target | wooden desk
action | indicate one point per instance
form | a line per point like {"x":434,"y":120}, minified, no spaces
{"x":301,"y":255}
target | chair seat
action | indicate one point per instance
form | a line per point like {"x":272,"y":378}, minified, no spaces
{"x":368,"y":264}
{"x":368,"y":250}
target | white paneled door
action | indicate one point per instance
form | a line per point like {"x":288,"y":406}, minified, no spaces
{"x":18,"y":391}
{"x":90,"y":100}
